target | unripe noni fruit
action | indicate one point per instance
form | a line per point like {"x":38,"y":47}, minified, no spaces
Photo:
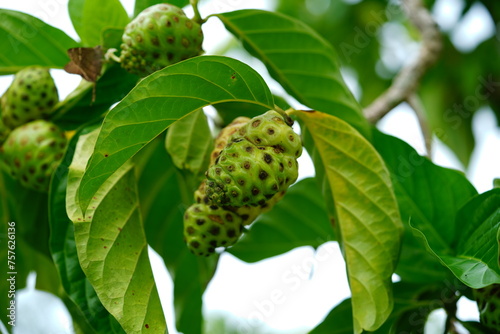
{"x":32,"y":151}
{"x":207,"y":227}
{"x":488,"y":303}
{"x":159,"y":36}
{"x":32,"y":95}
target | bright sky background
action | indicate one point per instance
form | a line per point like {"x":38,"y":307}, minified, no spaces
{"x":309,"y":283}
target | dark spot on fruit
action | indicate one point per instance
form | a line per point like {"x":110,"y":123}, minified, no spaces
{"x":257,"y":140}
{"x":189,"y":24}
{"x":249,"y":149}
{"x":262,"y":202}
{"x":270,"y":131}
{"x":218,"y":171}
{"x":234,"y":193}
{"x":185,"y":42}
{"x":25,"y":178}
{"x":241,"y":182}
{"x":214,"y":230}
{"x":231,"y":233}
{"x":235,"y":155}
{"x":170,"y":39}
{"x":43,"y":95}
{"x":275,"y":187}
{"x":214,"y":207}
{"x":223,"y":158}
{"x":245,"y":217}
{"x":40,"y":179}
{"x":170,"y":56}
{"x":281,"y":168}
{"x":194,"y":244}
{"x":246,"y":199}
{"x":32,"y":170}
{"x":168,"y":23}
{"x":175,"y":18}
{"x":229,"y":217}
{"x":268,"y":158}
{"x":290,"y":163}
{"x":186,"y":216}
{"x":247,"y":165}
{"x":25,"y":97}
{"x":263,"y":175}
{"x":256,"y":123}
{"x":190,"y":230}
{"x":210,"y":250}
{"x":255,"y":191}
{"x":17,"y":162}
{"x":213,"y":243}
{"x":291,"y":138}
{"x":228,"y":180}
{"x":138,"y":38}
{"x":230,"y":168}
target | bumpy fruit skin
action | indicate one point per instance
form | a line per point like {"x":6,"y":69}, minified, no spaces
{"x":32,"y":95}
{"x":207,"y":227}
{"x":258,"y":161}
{"x":225,"y":134}
{"x":159,"y":36}
{"x":246,"y":174}
{"x":270,"y":129}
{"x":488,"y":303}
{"x":32,"y":152}
{"x":4,"y":132}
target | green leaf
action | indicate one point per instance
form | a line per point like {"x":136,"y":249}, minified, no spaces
{"x":299,"y":59}
{"x":299,"y":219}
{"x":471,"y":251}
{"x":367,"y":212}
{"x":412,"y":304}
{"x":26,"y":40}
{"x":428,"y":196}
{"x":161,"y":99}
{"x":112,"y":247}
{"x":79,"y":109}
{"x":189,"y":143}
{"x":140,"y":5}
{"x":164,"y":198}
{"x":92,"y":316}
{"x":91,"y":17}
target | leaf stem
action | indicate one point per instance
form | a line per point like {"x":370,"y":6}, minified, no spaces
{"x":197,"y":15}
{"x":417,"y":106}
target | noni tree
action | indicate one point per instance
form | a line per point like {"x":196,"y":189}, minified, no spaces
{"x":129,"y":160}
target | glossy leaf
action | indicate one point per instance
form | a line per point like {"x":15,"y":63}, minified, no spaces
{"x":299,"y":59}
{"x":112,"y":246}
{"x":91,"y":17}
{"x":87,"y":311}
{"x":164,"y":198}
{"x":78,"y":108}
{"x":412,"y":304}
{"x":26,"y":40}
{"x":140,"y":5}
{"x":299,"y":219}
{"x":472,"y":252}
{"x":189,"y":143}
{"x":161,"y":99}
{"x":367,"y":212}
{"x":428,"y":196}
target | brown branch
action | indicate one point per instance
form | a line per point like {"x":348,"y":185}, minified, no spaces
{"x":407,"y":80}
{"x":417,"y":106}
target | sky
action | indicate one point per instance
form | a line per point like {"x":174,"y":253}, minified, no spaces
{"x":297,"y":289}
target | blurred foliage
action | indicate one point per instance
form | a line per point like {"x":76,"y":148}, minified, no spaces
{"x":451,"y":92}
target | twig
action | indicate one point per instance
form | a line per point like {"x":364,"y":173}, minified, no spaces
{"x":417,"y":106}
{"x":197,"y":15}
{"x":407,"y":80}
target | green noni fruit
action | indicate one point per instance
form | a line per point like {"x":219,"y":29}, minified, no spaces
{"x":159,"y":36}
{"x":32,"y":151}
{"x":488,"y":303}
{"x":32,"y":95}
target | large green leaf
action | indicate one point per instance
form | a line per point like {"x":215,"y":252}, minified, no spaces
{"x":91,"y":17}
{"x":161,"y":99}
{"x":299,"y":59}
{"x":366,"y":211}
{"x":471,"y":250}
{"x":78,"y":108}
{"x":112,"y":247}
{"x":26,"y":40}
{"x":299,"y":219}
{"x":140,"y":5}
{"x":87,"y":311}
{"x":164,"y":197}
{"x":189,"y":143}
{"x":428,"y":196}
{"x":412,"y":304}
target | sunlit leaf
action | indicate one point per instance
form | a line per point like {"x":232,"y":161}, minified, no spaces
{"x":112,"y":247}
{"x":367,"y":212}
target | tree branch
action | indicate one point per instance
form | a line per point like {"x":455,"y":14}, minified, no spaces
{"x":407,"y":80}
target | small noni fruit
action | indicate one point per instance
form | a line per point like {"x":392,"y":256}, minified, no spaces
{"x":258,"y":161}
{"x":32,"y":95}
{"x":207,"y":227}
{"x":488,"y":303}
{"x":246,"y":174}
{"x":32,"y":151}
{"x":270,"y":129}
{"x":159,"y":36}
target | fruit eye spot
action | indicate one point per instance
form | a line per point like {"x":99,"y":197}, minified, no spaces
{"x":231,"y":233}
{"x":229,"y":217}
{"x":190,"y":230}
{"x":214,"y":230}
{"x":256,"y":123}
{"x":268,"y":158}
{"x":195,"y":244}
{"x":263,"y":175}
{"x":270,"y":131}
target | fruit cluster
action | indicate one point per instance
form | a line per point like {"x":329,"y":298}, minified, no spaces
{"x":253,"y":164}
{"x":31,"y":146}
{"x":159,"y":36}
